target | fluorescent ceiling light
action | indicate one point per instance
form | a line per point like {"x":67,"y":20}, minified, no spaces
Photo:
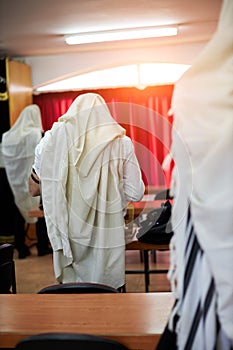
{"x":137,"y":75}
{"x":121,"y":34}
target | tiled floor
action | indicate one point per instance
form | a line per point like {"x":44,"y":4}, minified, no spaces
{"x":34,"y":273}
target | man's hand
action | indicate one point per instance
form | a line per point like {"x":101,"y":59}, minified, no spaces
{"x":34,"y":185}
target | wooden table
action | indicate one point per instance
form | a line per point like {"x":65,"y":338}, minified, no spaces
{"x":145,"y":206}
{"x":142,"y":207}
{"x":135,"y":319}
{"x":154,"y":189}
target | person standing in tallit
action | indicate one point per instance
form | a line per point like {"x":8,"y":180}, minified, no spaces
{"x":201,"y":271}
{"x":88,"y":171}
{"x":18,"y":150}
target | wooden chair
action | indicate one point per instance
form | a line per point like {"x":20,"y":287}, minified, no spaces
{"x":71,"y":341}
{"x":77,"y":288}
{"x":7,"y":269}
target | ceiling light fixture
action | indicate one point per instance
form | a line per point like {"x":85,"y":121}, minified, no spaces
{"x":121,"y":34}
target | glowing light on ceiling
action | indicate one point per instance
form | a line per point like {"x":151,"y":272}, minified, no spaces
{"x":121,"y":34}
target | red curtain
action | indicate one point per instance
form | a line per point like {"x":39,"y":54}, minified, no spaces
{"x":144,"y":115}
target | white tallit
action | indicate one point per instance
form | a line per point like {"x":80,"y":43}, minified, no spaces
{"x":18,"y":151}
{"x":80,"y":171}
{"x":202,"y":148}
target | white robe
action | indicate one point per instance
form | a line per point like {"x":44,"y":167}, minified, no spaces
{"x":202,"y":149}
{"x":18,"y":150}
{"x":81,"y":167}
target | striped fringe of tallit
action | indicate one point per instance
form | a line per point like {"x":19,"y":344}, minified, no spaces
{"x":194,"y":319}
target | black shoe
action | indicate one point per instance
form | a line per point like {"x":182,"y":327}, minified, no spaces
{"x":45,"y":252}
{"x":24,"y":253}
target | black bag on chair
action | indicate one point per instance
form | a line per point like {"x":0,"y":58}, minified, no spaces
{"x":157,"y":229}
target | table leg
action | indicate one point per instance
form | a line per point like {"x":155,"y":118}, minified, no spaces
{"x":146,"y":270}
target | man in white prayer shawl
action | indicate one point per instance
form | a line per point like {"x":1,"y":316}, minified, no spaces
{"x":201,"y":271}
{"x":88,"y":172}
{"x":18,"y":151}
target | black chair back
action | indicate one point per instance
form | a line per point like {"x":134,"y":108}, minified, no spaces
{"x":7,"y":269}
{"x":70,"y":341}
{"x":6,"y":253}
{"x":6,"y":278}
{"x":78,"y":288}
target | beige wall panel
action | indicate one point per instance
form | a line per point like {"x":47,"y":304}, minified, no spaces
{"x":19,"y":88}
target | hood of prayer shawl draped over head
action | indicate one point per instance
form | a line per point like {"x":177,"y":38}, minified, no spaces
{"x":80,"y":179}
{"x":203,"y":119}
{"x":18,"y":151}
{"x":91,"y":132}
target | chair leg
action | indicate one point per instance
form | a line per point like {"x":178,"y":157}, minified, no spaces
{"x":13,"y":279}
{"x":153,"y":252}
{"x":146,"y":270}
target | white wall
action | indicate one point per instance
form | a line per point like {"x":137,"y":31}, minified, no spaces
{"x":47,"y":69}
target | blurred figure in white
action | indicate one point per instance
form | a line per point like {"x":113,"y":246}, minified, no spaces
{"x":202,"y":246}
{"x":18,"y":150}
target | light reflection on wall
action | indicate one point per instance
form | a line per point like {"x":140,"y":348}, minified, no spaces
{"x":135,"y":75}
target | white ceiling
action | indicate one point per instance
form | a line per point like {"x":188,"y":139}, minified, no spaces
{"x":36,"y":28}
